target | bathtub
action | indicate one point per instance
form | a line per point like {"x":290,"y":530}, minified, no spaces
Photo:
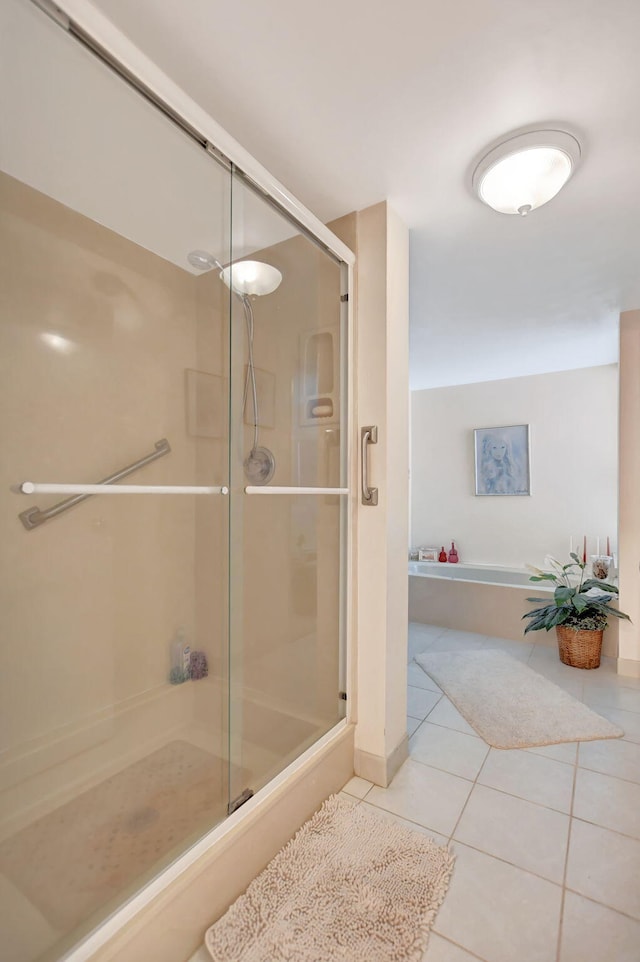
{"x":480,"y":574}
{"x":488,"y":600}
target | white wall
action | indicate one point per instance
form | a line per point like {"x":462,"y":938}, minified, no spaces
{"x":573,"y":418}
{"x":382,"y":356}
{"x":629,"y":651}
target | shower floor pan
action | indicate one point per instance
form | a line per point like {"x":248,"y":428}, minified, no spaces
{"x":77,"y":862}
{"x":88,"y":853}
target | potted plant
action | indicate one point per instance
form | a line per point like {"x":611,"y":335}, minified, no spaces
{"x":578,"y":612}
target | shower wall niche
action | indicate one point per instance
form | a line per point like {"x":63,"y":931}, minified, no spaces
{"x":120,"y":748}
{"x":319,"y":389}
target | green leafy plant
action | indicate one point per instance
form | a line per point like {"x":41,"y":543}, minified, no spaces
{"x":579,"y":603}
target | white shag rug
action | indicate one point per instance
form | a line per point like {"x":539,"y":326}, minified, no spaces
{"x":351,"y":886}
{"x":509,"y":704}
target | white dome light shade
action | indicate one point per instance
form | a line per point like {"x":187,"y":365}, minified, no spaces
{"x":526,"y":171}
{"x":251,"y":277}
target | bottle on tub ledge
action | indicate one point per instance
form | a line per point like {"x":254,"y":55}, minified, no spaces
{"x":453,"y":555}
{"x":442,"y":557}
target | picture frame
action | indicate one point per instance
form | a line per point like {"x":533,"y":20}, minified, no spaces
{"x":502,"y":461}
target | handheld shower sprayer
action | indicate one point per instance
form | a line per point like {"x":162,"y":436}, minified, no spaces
{"x":246,"y":279}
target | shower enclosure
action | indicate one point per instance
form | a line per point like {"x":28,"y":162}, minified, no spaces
{"x":174,"y":374}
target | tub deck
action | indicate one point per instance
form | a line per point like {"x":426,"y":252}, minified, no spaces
{"x":465,"y":598}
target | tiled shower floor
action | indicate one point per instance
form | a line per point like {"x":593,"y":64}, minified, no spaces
{"x":547,"y":840}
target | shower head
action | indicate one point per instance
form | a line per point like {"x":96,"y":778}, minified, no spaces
{"x":251,"y":277}
{"x":203,"y":260}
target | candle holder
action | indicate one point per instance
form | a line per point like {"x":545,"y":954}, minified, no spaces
{"x":601,"y":566}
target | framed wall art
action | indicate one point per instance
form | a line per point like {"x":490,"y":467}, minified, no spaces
{"x":502,"y":457}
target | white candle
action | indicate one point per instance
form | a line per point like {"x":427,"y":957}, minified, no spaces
{"x":597,"y":546}
{"x":570,"y":544}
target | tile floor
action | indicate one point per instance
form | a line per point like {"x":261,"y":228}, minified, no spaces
{"x":547,"y":839}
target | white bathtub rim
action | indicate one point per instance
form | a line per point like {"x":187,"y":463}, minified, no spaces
{"x":475,"y":565}
{"x":431,"y":569}
{"x":486,"y":584}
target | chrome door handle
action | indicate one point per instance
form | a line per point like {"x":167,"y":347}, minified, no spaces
{"x":368,"y":435}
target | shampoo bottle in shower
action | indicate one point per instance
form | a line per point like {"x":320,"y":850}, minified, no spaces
{"x":180,"y":658}
{"x":453,"y":555}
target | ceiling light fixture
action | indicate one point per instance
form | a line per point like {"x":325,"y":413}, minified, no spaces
{"x":526,"y":170}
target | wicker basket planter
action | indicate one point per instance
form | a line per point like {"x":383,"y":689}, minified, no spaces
{"x":579,"y":649}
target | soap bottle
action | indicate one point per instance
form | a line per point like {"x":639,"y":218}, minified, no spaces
{"x":443,"y":554}
{"x":453,"y":555}
{"x":180,"y":658}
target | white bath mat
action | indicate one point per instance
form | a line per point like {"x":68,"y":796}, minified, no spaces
{"x":509,"y":704}
{"x":350,"y":887}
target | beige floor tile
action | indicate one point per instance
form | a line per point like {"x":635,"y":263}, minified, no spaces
{"x":441,"y":950}
{"x":611,"y":756}
{"x":432,"y":631}
{"x":448,"y":750}
{"x":420,"y":638}
{"x":420,"y":702}
{"x":607,"y":801}
{"x":628,"y":699}
{"x":566,"y":752}
{"x":532,"y":777}
{"x":628,"y":721}
{"x":357,"y":786}
{"x":446,"y":714}
{"x":349,"y":798}
{"x":414,"y":826}
{"x":605,"y":866}
{"x":424,"y":795}
{"x":607,"y":674}
{"x":592,"y":933}
{"x":546,"y":662}
{"x":517,"y":649}
{"x":412,"y":725}
{"x":498,"y":911}
{"x":420,"y":679}
{"x":527,"y":835}
{"x":457,"y":641}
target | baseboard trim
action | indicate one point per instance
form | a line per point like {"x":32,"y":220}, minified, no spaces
{"x":377,"y":768}
{"x":629,"y":667}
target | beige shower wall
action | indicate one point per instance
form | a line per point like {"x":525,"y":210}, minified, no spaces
{"x":89,"y":601}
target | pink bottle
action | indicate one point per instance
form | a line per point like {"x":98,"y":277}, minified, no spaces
{"x":453,"y":555}
{"x":443,"y":554}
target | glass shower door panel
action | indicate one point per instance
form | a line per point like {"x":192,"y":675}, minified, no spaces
{"x":114,"y":350}
{"x":287,"y":522}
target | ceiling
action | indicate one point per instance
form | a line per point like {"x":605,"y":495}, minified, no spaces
{"x":348,"y":102}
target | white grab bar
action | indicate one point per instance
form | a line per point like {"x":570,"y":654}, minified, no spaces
{"x":274,"y":489}
{"x":32,"y":487}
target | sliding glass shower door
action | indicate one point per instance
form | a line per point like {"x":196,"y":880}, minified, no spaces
{"x":114,"y":346}
{"x":173,"y":492}
{"x":287,"y":535}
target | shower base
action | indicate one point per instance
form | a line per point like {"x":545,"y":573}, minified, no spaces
{"x":86,"y":853}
